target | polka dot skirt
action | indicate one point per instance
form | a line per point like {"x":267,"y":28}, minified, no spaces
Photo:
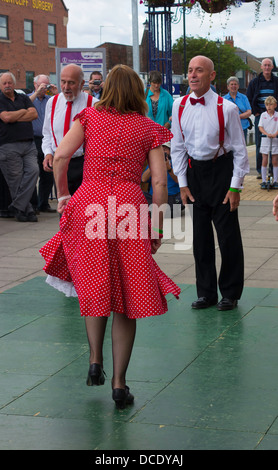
{"x":103,"y":245}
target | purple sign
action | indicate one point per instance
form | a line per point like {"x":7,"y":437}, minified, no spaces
{"x":89,"y":60}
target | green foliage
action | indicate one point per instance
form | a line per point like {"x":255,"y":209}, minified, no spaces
{"x":230,"y":63}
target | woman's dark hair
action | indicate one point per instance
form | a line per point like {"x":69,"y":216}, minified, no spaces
{"x":155,"y":76}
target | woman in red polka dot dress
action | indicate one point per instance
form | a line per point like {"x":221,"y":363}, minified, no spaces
{"x":103,"y":251}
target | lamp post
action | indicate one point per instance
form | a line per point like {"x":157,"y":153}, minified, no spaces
{"x":218,"y":44}
{"x":184,"y":43}
{"x":135,"y":38}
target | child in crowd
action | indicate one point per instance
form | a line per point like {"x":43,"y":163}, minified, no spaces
{"x":268,"y":126}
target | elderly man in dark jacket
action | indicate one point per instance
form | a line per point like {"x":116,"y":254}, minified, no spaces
{"x":266,"y":84}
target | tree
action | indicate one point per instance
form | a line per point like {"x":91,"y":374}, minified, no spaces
{"x":230,"y":63}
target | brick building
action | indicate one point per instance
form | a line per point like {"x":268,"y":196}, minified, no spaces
{"x":29,"y":32}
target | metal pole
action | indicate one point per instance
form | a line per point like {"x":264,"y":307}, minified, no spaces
{"x":218,"y":44}
{"x":184,"y":43}
{"x":135,"y":34}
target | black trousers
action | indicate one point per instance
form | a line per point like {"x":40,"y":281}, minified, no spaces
{"x":209,"y":182}
{"x":75,"y":173}
{"x":46,"y":179}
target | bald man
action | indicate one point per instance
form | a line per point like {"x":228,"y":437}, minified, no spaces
{"x":73,"y":100}
{"x":210,"y":176}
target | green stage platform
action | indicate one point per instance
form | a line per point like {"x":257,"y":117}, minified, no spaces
{"x":202,"y":380}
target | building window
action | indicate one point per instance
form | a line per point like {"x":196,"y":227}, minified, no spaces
{"x":30,"y":80}
{"x":51,"y":34}
{"x":4,"y":27}
{"x":28,"y":30}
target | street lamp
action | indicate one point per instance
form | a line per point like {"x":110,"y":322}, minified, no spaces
{"x":135,"y":37}
{"x":218,"y":44}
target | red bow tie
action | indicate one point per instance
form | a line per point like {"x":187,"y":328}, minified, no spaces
{"x":200,"y":100}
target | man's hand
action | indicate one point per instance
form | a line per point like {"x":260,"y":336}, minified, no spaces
{"x":186,"y":194}
{"x":30,"y":115}
{"x":48,"y":163}
{"x":234,"y":199}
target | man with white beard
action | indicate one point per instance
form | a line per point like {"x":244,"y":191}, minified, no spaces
{"x":59,"y":114}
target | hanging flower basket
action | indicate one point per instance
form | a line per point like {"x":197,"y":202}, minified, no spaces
{"x":160,"y":3}
{"x":209,"y":6}
{"x":214,"y":6}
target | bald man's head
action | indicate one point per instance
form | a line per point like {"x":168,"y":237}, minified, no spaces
{"x":72,"y":81}
{"x":200,"y":74}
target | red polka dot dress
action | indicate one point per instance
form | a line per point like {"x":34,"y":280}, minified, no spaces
{"x":102,"y":252}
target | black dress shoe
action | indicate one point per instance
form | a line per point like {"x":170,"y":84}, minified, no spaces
{"x":203,"y":302}
{"x":226,"y":304}
{"x":122,"y":397}
{"x":31,"y":217}
{"x":95,"y":375}
{"x":20,"y":215}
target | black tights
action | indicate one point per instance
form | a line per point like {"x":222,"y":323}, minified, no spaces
{"x":123,"y":334}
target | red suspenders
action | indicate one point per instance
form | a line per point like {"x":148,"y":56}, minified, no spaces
{"x":52,"y":116}
{"x":221,"y":125}
{"x":89,"y":101}
{"x":220,"y":120}
{"x":89,"y":104}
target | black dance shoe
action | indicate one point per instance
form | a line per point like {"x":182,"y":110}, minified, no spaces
{"x":203,"y":302}
{"x":122,"y":397}
{"x":226,"y":304}
{"x":95,"y":375}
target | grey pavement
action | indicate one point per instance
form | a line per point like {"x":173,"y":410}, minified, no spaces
{"x":20,"y":243}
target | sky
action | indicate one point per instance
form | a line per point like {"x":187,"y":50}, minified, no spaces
{"x":92,"y":22}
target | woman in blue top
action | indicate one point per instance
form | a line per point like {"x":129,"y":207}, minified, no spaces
{"x":159,"y":101}
{"x":241,"y":101}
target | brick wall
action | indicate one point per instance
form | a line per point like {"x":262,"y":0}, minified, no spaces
{"x":18,"y":56}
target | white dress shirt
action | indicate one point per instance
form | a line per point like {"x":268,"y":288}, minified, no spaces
{"x":48,"y":142}
{"x":200,"y":127}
